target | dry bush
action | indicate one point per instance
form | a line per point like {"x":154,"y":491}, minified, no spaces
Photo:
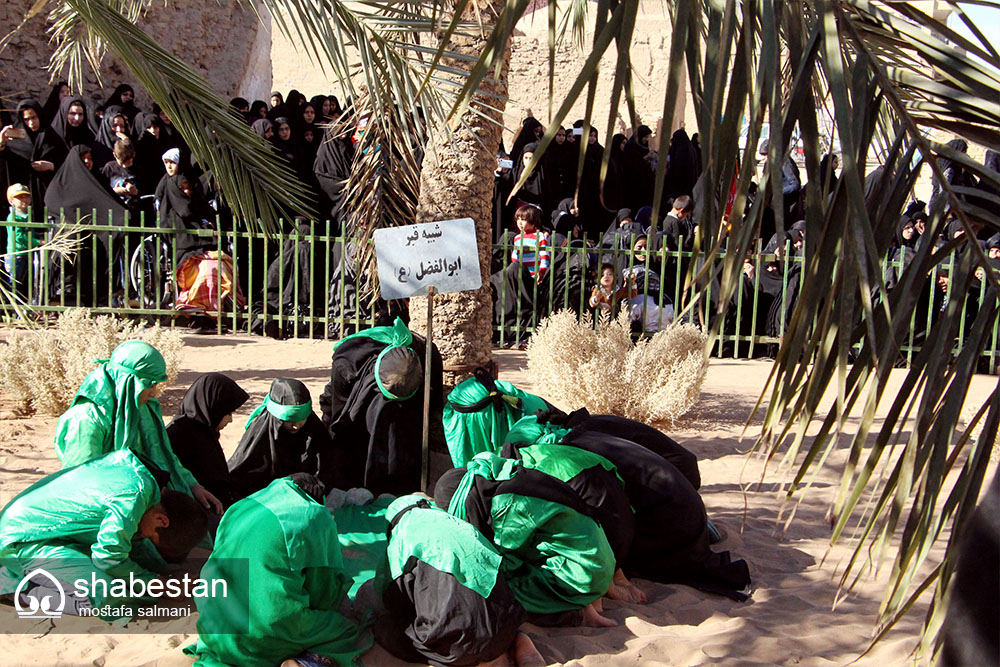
{"x":44,"y":368}
{"x":575,"y":364}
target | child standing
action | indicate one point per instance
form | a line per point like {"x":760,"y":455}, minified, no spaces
{"x":531,"y":246}
{"x":19,"y":239}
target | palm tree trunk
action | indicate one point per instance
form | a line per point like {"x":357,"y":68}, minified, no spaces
{"x":457,"y":182}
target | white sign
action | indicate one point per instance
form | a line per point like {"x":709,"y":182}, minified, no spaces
{"x":412,"y":258}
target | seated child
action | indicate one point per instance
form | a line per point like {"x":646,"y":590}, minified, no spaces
{"x":206,"y":409}
{"x":604,"y":296}
{"x":556,"y":558}
{"x":447,"y":601}
{"x":283,"y":436}
{"x":285,"y":607}
{"x":79,"y":523}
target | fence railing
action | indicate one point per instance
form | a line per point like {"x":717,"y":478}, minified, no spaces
{"x":304,"y":285}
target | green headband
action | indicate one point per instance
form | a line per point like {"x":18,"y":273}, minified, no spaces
{"x":378,"y":380}
{"x":286,"y":413}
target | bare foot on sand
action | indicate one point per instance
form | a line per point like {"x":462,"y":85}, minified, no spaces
{"x":624,"y":590}
{"x":592,"y":617}
{"x":525,"y":653}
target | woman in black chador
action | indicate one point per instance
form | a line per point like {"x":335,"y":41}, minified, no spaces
{"x":373,"y":408}
{"x":33,"y":159}
{"x":207,"y":408}
{"x":283,"y":436}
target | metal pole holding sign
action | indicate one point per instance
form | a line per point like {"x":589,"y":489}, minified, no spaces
{"x":427,"y":258}
{"x":425,"y":460}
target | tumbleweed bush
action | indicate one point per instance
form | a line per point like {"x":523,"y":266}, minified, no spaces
{"x":43,"y":368}
{"x":577,"y":364}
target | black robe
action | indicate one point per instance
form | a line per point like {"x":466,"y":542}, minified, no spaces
{"x":82,"y":134}
{"x":18,"y":155}
{"x":128,"y":108}
{"x":103,"y":148}
{"x":332,"y":167}
{"x":149,"y":152}
{"x":427,"y":615}
{"x":268,"y":451}
{"x":185,"y":213}
{"x":193,"y":436}
{"x":377,"y":441}
{"x":671,"y":526}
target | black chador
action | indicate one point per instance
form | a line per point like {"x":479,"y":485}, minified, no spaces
{"x":373,"y":408}
{"x":283,"y":436}
{"x":194,"y":431}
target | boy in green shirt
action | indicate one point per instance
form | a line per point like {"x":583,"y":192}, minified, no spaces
{"x":19,"y":239}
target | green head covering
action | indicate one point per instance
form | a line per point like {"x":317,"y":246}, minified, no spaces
{"x":530,"y":431}
{"x":479,"y":413}
{"x":113,"y":388}
{"x":398,"y":371}
{"x":486,"y":465}
{"x":288,"y":400}
{"x":448,"y":544}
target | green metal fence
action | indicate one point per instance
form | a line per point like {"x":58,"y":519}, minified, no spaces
{"x":314,"y":293}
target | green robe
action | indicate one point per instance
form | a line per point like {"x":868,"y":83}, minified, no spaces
{"x":106,"y":415}
{"x":485,"y":429}
{"x":554,"y":558}
{"x":295,"y":585}
{"x":78,"y":522}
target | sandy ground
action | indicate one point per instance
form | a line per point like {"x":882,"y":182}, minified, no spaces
{"x":790,"y":620}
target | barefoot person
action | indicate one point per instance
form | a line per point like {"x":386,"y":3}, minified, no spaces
{"x":556,"y":558}
{"x":116,"y":408}
{"x":447,"y":601}
{"x":85,"y":523}
{"x":284,"y":610}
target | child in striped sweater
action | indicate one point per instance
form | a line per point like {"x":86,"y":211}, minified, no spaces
{"x":531,"y":246}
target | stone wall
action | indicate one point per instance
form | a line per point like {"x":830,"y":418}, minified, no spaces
{"x":223,"y":42}
{"x":528,"y":79}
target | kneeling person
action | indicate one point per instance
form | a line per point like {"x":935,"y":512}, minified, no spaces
{"x":447,"y":602}
{"x":295,"y":584}
{"x":79,"y":523}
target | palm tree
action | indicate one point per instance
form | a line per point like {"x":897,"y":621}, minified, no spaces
{"x":878,"y":75}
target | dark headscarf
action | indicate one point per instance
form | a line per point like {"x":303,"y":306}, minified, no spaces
{"x":51,"y":108}
{"x":73,"y":136}
{"x":128,"y":108}
{"x":77,"y":188}
{"x":563,"y":221}
{"x":285,"y":147}
{"x":181,"y":212}
{"x":103,"y":148}
{"x":682,"y":165}
{"x":524,"y":136}
{"x":149,"y":151}
{"x":40,"y":145}
{"x":332,"y":168}
{"x":254,"y":114}
{"x":281,"y":110}
{"x":533,"y":190}
{"x":827,"y":174}
{"x":317,"y":104}
{"x":193,"y":434}
{"x":294,"y":99}
{"x":268,"y":451}
{"x":261,"y":126}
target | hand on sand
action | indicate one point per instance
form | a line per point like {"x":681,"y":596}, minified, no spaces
{"x":592,"y":617}
{"x":623,"y":590}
